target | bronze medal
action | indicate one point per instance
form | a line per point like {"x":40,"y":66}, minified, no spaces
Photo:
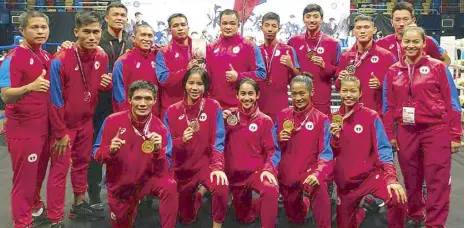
{"x":350,"y":69}
{"x":337,"y":119}
{"x":310,"y":54}
{"x":288,"y":125}
{"x":232,"y":120}
{"x":148,"y":147}
{"x":194,"y":124}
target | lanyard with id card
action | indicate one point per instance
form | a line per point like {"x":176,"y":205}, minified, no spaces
{"x":408,"y":109}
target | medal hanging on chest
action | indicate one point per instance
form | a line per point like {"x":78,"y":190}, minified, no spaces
{"x":357,"y":62}
{"x":147,"y":146}
{"x":269,"y":61}
{"x":194,"y":124}
{"x":87,"y":94}
{"x":289,"y":125}
{"x":312,"y":51}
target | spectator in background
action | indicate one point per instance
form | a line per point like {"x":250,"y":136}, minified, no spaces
{"x":194,"y":35}
{"x":379,"y":35}
{"x":138,"y":21}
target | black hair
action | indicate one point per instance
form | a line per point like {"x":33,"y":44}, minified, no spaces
{"x":403,"y":6}
{"x":249,"y":81}
{"x":142,"y":26}
{"x":86,"y":18}
{"x":352,"y":78}
{"x":24,"y":17}
{"x":141,"y":84}
{"x":414,"y":27}
{"x":203,"y":75}
{"x":313,"y":8}
{"x":175,"y":16}
{"x":229,"y":12}
{"x":137,"y":14}
{"x":271,"y":16}
{"x":116,"y":5}
{"x":363,"y":17}
{"x":304,"y":78}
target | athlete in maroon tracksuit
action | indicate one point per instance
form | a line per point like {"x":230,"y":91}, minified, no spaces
{"x":24,"y":89}
{"x":420,"y":95}
{"x":76,"y":77}
{"x":306,"y":162}
{"x":137,"y":64}
{"x":366,"y":61}
{"x":363,"y":160}
{"x":136,"y":148}
{"x":318,"y":54}
{"x":196,"y":125}
{"x":252,"y":156}
{"x":281,"y":66}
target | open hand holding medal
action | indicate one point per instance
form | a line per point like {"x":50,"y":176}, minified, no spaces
{"x":336,"y":125}
{"x":285,"y":134}
{"x":152,"y":143}
{"x":231,"y":119}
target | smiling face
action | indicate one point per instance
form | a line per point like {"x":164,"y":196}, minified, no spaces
{"x":413,"y":44}
{"x":195,"y":87}
{"x":229,"y":25}
{"x":313,"y":20}
{"x":350,"y":93}
{"x":144,"y":38}
{"x":248,"y":96}
{"x":141,"y":102}
{"x":301,"y":96}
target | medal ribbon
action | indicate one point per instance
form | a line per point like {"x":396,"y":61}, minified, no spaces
{"x":399,"y":53}
{"x":268,"y":62}
{"x":146,"y":127}
{"x":363,"y":57}
{"x":81,"y":69}
{"x":303,"y":122}
{"x":317,"y":44}
{"x":113,"y":54}
{"x":411,"y":71}
{"x":37,"y":57}
{"x":198,"y":114}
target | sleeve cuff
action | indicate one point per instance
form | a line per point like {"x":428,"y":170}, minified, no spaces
{"x":58,"y":134}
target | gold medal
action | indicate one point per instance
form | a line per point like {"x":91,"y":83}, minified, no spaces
{"x":310,"y":54}
{"x":194,"y":124}
{"x":148,"y":147}
{"x":350,"y":69}
{"x":232,"y":120}
{"x":288,"y":125}
{"x":337,"y":119}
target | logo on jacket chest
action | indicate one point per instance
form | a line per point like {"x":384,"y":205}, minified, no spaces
{"x":216,"y":50}
{"x":374,"y":59}
{"x":320,"y":50}
{"x":309,"y":126}
{"x":138,"y":65}
{"x":277,"y":53}
{"x":153,"y":64}
{"x":176,"y":55}
{"x":390,"y":47}
{"x":358,"y":128}
{"x":253,"y":127}
{"x":424,"y":70}
{"x":236,"y":49}
{"x":97,"y":65}
{"x":203,"y":117}
{"x":31,"y":61}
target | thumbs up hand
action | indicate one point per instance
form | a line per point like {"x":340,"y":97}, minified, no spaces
{"x":40,"y":84}
{"x":287,"y":60}
{"x":116,"y":142}
{"x":374,"y":83}
{"x":231,"y":75}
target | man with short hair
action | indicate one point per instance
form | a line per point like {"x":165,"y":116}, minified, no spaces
{"x":136,"y":64}
{"x":115,"y":42}
{"x":318,"y":54}
{"x":403,"y":16}
{"x":281,"y":66}
{"x":173,"y":61}
{"x":136,"y":148}
{"x":368,"y":62}
{"x":77,"y":75}
{"x":24,"y":87}
{"x":230,"y":59}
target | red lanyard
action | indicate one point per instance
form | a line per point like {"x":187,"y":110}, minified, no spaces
{"x":303,"y":122}
{"x":411,"y":71}
{"x":146,"y":127}
{"x":198,"y":114}
{"x":81,"y":69}
{"x":317,"y":44}
{"x":37,"y":57}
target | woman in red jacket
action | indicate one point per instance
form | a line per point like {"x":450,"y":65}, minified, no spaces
{"x":306,"y":156}
{"x":251,"y":157}
{"x":420,"y":95}
{"x":363,"y":160}
{"x":197,"y":127}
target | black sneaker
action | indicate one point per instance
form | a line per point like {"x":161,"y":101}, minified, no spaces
{"x":371,"y":204}
{"x":96,"y":204}
{"x":84,"y":212}
{"x":58,"y":225}
{"x":414,"y":224}
{"x":40,"y":219}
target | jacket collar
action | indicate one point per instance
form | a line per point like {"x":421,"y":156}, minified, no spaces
{"x":421,"y":62}
{"x":141,"y":52}
{"x":316,"y":37}
{"x":108,"y":37}
{"x":357,"y":107}
{"x":191,"y":107}
{"x":247,"y":116}
{"x":232,"y":39}
{"x":353,"y":50}
{"x":302,"y":113}
{"x":85,"y":55}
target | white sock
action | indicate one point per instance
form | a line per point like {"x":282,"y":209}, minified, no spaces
{"x":38,"y":213}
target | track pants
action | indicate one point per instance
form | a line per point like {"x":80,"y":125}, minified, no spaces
{"x":188,"y":198}
{"x":296,"y":207}
{"x":247,"y":209}
{"x":29,"y":159}
{"x":123,"y":212}
{"x":433,"y":165}
{"x":348,"y":203}
{"x":79,"y":155}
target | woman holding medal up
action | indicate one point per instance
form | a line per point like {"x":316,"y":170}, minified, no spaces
{"x":363,"y":159}
{"x":307,"y":156}
{"x":420,"y":95}
{"x":136,"y":148}
{"x":197,"y":126}
{"x":252,"y":156}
